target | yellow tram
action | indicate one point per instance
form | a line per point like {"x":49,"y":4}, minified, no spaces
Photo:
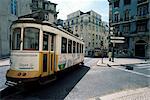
{"x":39,"y":50}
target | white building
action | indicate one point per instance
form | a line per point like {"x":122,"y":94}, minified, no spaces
{"x":10,"y":10}
{"x":89,"y":27}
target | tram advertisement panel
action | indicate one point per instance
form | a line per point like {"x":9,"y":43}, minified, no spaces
{"x":25,"y":61}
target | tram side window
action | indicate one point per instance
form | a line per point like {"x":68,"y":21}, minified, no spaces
{"x":64,"y":45}
{"x":69,"y":46}
{"x":31,"y":39}
{"x":16,"y":39}
{"x":77,"y":47}
{"x":45,"y":42}
{"x":52,"y":43}
{"x":74,"y":47}
{"x":82,"y":48}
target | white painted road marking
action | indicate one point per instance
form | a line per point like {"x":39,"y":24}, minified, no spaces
{"x":137,"y":94}
{"x":143,"y":67}
{"x":132,"y":72}
{"x":2,"y":89}
{"x":148,"y":69}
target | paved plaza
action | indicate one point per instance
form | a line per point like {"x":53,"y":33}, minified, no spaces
{"x":101,"y":82}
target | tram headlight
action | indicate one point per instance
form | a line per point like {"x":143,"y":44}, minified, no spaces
{"x":19,"y":74}
{"x":24,"y":74}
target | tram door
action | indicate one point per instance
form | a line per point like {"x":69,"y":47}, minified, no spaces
{"x":48,"y":54}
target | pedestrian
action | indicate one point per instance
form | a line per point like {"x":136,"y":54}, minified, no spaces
{"x":110,"y":55}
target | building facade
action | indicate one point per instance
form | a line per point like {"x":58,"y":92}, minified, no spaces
{"x":8,"y":9}
{"x":12,"y":9}
{"x":88,"y":26}
{"x":131,"y":19}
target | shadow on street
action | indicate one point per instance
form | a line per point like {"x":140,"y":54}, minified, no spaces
{"x":56,"y":90}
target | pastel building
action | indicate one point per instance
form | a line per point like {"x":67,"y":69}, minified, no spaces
{"x":10,"y":10}
{"x":131,"y":19}
{"x":89,"y":27}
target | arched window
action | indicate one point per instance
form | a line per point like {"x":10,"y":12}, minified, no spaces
{"x":14,"y":7}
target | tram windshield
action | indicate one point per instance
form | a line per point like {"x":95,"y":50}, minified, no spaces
{"x":31,"y":39}
{"x":16,"y":39}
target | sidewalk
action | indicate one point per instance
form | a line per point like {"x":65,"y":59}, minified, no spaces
{"x":137,"y":94}
{"x":121,"y":61}
{"x":4,"y":62}
{"x":4,"y":66}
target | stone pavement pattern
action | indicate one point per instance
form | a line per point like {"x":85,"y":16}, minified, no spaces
{"x":121,"y":61}
{"x":138,"y":94}
{"x":4,"y":66}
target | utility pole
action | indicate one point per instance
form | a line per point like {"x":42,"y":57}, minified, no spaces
{"x":113,"y":46}
{"x":102,"y":50}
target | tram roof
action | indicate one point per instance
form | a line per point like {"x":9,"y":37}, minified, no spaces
{"x":32,"y":20}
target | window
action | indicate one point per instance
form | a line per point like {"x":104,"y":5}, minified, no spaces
{"x":69,"y":46}
{"x":68,"y":24}
{"x":74,"y":47}
{"x":126,"y":27}
{"x":127,"y":2}
{"x":143,"y":10}
{"x":82,"y":48}
{"x":93,"y":21}
{"x":116,"y":30}
{"x":93,"y":27}
{"x":96,"y":37}
{"x":96,"y":28}
{"x":14,"y":7}
{"x":52,"y":42}
{"x":89,"y":44}
{"x":76,"y":21}
{"x":76,"y":28}
{"x":78,"y":47}
{"x":89,"y":27}
{"x":126,"y":15}
{"x":142,"y":26}
{"x":72,"y":22}
{"x":81,"y":27}
{"x":16,"y":39}
{"x":116,"y":17}
{"x":64,"y":45}
{"x":31,"y":39}
{"x":81,"y":19}
{"x":89,"y":19}
{"x":45,"y":42}
{"x":116,"y":3}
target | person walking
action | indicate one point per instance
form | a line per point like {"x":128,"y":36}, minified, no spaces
{"x":109,"y":55}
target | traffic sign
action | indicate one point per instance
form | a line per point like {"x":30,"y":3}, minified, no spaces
{"x":117,"y":38}
{"x":117,"y":41}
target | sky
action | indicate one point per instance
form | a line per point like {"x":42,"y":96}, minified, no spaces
{"x":66,"y":7}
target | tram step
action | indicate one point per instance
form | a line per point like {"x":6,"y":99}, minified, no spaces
{"x":10,"y":83}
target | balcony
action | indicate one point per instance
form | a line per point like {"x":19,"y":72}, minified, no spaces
{"x":122,"y":21}
{"x":143,"y":17}
{"x":142,"y":2}
{"x":140,"y":33}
